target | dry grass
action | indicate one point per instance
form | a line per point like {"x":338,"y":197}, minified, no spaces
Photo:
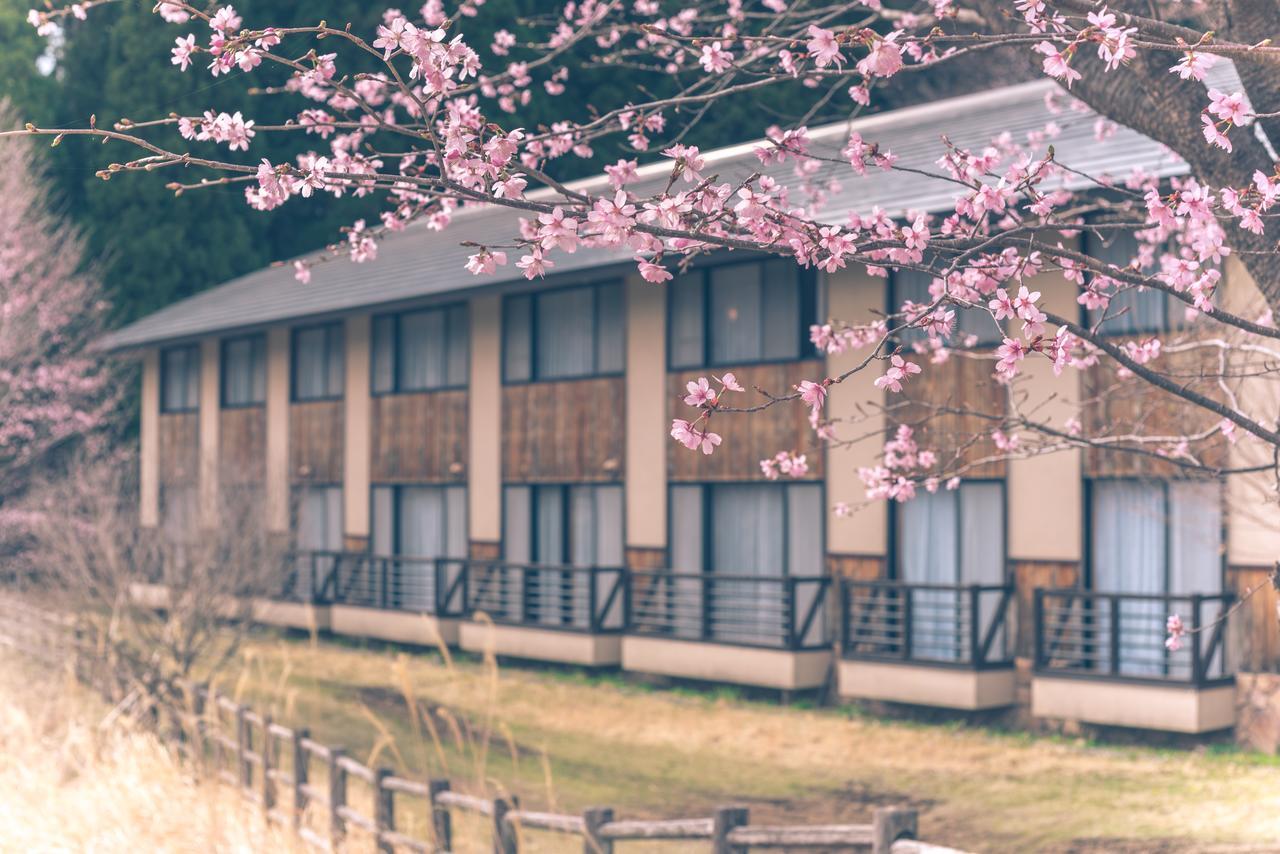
{"x":75,"y":778}
{"x":565,"y":741}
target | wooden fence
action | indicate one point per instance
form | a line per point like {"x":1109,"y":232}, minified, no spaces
{"x":306,"y":785}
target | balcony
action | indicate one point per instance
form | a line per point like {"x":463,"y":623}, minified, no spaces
{"x":940,"y":645}
{"x":565,"y":614}
{"x":1101,"y":658}
{"x":743,"y":629}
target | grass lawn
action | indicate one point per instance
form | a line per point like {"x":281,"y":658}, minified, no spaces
{"x":563,"y":740}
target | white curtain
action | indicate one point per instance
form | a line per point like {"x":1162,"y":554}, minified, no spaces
{"x":982,"y":550}
{"x":610,"y":521}
{"x":748,"y":531}
{"x":319,"y":529}
{"x":610,"y":329}
{"x":423,"y":527}
{"x":928,"y":553}
{"x":180,"y":379}
{"x":384,"y":521}
{"x":805,"y":550}
{"x":781,"y":309}
{"x":736,"y":324}
{"x":686,"y":320}
{"x":422,"y":350}
{"x":1129,"y":557}
{"x":243,"y":375}
{"x":311,"y":365}
{"x":565,"y":338}
{"x":458,"y":333}
{"x":1195,"y":555}
{"x":382,"y":342}
{"x":516,"y":515}
{"x":517,"y":338}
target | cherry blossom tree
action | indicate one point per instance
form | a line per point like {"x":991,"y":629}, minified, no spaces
{"x":55,"y":395}
{"x":417,"y":114}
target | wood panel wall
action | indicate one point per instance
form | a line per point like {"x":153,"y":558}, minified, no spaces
{"x":937,"y":404}
{"x":315,"y":441}
{"x":179,"y":448}
{"x":646,"y":558}
{"x":1115,"y":405}
{"x":572,"y":431}
{"x":1255,"y":633}
{"x":857,"y":567}
{"x":748,"y":437}
{"x":1027,"y":576}
{"x":242,"y":445}
{"x":484,"y":550}
{"x":419,"y":438}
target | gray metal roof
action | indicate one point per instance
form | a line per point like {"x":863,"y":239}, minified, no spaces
{"x":419,"y":263}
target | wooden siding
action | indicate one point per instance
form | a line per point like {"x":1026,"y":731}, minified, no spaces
{"x":419,"y":438}
{"x":242,"y":445}
{"x":857,"y":567}
{"x":1027,"y":576}
{"x":643,"y":558}
{"x":1115,"y":405}
{"x":315,"y":441}
{"x":572,"y":431}
{"x":748,"y":437}
{"x":484,"y":550}
{"x":936,"y":403}
{"x":179,"y":448}
{"x":1255,"y":633}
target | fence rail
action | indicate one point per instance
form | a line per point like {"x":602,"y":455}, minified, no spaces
{"x":782,"y":612}
{"x":1121,"y":636}
{"x":965,"y":625}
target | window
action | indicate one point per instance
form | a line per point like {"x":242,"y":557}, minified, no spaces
{"x":420,"y":350}
{"x":419,"y":522}
{"x":1134,"y":309}
{"x":563,"y":525}
{"x":748,"y":530}
{"x":317,"y":362}
{"x":564,"y":334}
{"x":180,"y":379}
{"x":950,"y":537}
{"x":244,"y":371}
{"x":914,"y":285}
{"x":736,"y":314}
{"x":319,"y":518}
{"x":1157,"y":538}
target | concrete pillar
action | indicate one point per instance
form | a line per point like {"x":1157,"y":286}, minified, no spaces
{"x":854,"y":296}
{"x":210,"y":412}
{"x":356,"y":435}
{"x":277,"y":413}
{"x":484,"y":422}
{"x":646,"y":415}
{"x":149,"y":435}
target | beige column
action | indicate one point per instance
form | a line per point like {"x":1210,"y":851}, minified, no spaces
{"x":854,"y":297}
{"x":646,"y":414}
{"x":484,"y":421}
{"x":210,"y":410}
{"x":356,"y":435}
{"x":277,"y":414}
{"x":149,"y":436}
{"x":1045,"y":492}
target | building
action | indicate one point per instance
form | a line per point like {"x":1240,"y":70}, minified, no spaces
{"x":487,"y":461}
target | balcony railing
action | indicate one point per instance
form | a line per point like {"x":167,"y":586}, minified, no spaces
{"x":580,"y":599}
{"x":951,"y":624}
{"x":420,"y":585}
{"x":778,"y":612}
{"x":1121,"y":636}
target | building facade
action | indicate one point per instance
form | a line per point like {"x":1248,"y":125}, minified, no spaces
{"x":486,"y":463}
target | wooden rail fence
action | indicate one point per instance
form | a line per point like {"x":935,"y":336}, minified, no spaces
{"x":301,"y":783}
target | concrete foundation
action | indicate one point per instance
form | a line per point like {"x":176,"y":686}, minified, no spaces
{"x":1169,"y":708}
{"x":740,"y":665}
{"x":925,"y":685}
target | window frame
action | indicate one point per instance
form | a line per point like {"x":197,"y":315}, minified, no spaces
{"x":535,"y":298}
{"x":397,"y":490}
{"x":809,"y":299}
{"x":397,"y":318}
{"x":706,"y":488}
{"x":1086,"y":578}
{"x":192,"y":366}
{"x":258,"y":346}
{"x":330,"y":328}
{"x":566,"y":530}
{"x":1088,"y":318}
{"x":892,"y":552}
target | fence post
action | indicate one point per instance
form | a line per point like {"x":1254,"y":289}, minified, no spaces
{"x":1114,"y":630}
{"x":243,"y":768}
{"x":504,"y":832}
{"x":384,"y":811}
{"x":888,"y":825}
{"x":337,"y":798}
{"x":722,"y":823}
{"x":300,"y":762}
{"x":441,"y":823}
{"x":908,"y":621}
{"x":592,"y":820}
{"x":975,"y":624}
{"x":789,"y":611}
{"x":593,"y":621}
{"x":1037,"y":627}
{"x":268,"y":785}
{"x":707,"y":606}
{"x":1197,"y":659}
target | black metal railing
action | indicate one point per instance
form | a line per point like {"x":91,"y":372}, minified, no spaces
{"x":777,"y":612}
{"x":309,"y":576}
{"x":964,"y":625}
{"x":397,"y":583}
{"x":1122,"y":636}
{"x":582,"y":599}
